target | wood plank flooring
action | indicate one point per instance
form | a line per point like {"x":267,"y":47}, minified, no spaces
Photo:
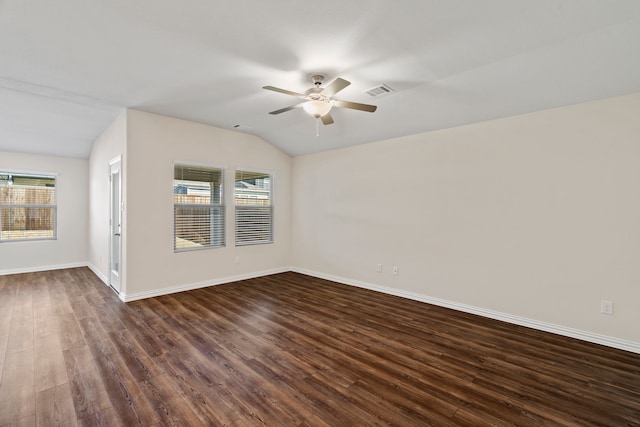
{"x":289,"y":350}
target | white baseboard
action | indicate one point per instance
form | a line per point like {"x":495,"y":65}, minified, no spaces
{"x":41,"y":268}
{"x":198,"y":285}
{"x":618,"y":343}
{"x":517,"y":320}
{"x":98,"y":273}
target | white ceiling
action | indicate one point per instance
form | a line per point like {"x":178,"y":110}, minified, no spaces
{"x":69,"y":67}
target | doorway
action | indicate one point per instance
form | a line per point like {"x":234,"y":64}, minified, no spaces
{"x":115,"y":223}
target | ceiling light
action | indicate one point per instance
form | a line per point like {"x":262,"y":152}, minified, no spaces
{"x":316,"y":108}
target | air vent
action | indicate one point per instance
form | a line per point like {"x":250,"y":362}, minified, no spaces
{"x":380,"y":90}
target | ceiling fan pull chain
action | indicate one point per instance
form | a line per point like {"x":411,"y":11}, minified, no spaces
{"x":318,"y":127}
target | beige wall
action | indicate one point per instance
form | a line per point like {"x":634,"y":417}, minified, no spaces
{"x":70,"y":248}
{"x":154,"y":142}
{"x":109,"y":145}
{"x":535,"y":216}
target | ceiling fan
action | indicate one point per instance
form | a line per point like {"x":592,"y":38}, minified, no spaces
{"x":318,"y":101}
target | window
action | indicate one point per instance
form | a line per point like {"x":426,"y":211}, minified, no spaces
{"x":254,"y":208}
{"x":198,"y":206}
{"x":27,"y":206}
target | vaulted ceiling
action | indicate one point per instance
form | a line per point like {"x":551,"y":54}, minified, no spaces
{"x":69,"y":67}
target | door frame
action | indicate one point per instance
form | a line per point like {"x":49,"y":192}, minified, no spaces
{"x":116,"y":285}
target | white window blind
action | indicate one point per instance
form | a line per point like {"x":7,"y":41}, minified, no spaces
{"x":254,"y":208}
{"x":27,"y":206}
{"x":198,"y":204}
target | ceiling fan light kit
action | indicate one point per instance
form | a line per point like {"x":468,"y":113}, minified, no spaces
{"x":317,"y":108}
{"x":319,"y":101}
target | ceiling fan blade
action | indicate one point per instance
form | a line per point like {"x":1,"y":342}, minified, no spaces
{"x":336,"y":86}
{"x":327,"y":119}
{"x":286,"y":92}
{"x":355,"y":106}
{"x":282,"y":110}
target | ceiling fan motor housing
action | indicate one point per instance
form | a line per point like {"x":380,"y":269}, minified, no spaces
{"x":315,"y":94}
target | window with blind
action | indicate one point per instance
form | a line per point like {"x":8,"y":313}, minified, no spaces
{"x":27,"y":206}
{"x":198,"y":207}
{"x":254,"y":208}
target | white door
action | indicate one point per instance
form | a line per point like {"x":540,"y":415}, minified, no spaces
{"x":115,"y":224}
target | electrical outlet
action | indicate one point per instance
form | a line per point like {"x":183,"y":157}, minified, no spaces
{"x":379,"y":268}
{"x":396,"y":270}
{"x":237,"y":260}
{"x":606,"y":307}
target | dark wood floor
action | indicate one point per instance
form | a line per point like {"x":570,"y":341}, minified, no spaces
{"x":289,"y":350}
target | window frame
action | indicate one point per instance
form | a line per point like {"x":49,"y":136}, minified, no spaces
{"x":53,"y":207}
{"x":271,"y":206}
{"x":221,"y":206}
